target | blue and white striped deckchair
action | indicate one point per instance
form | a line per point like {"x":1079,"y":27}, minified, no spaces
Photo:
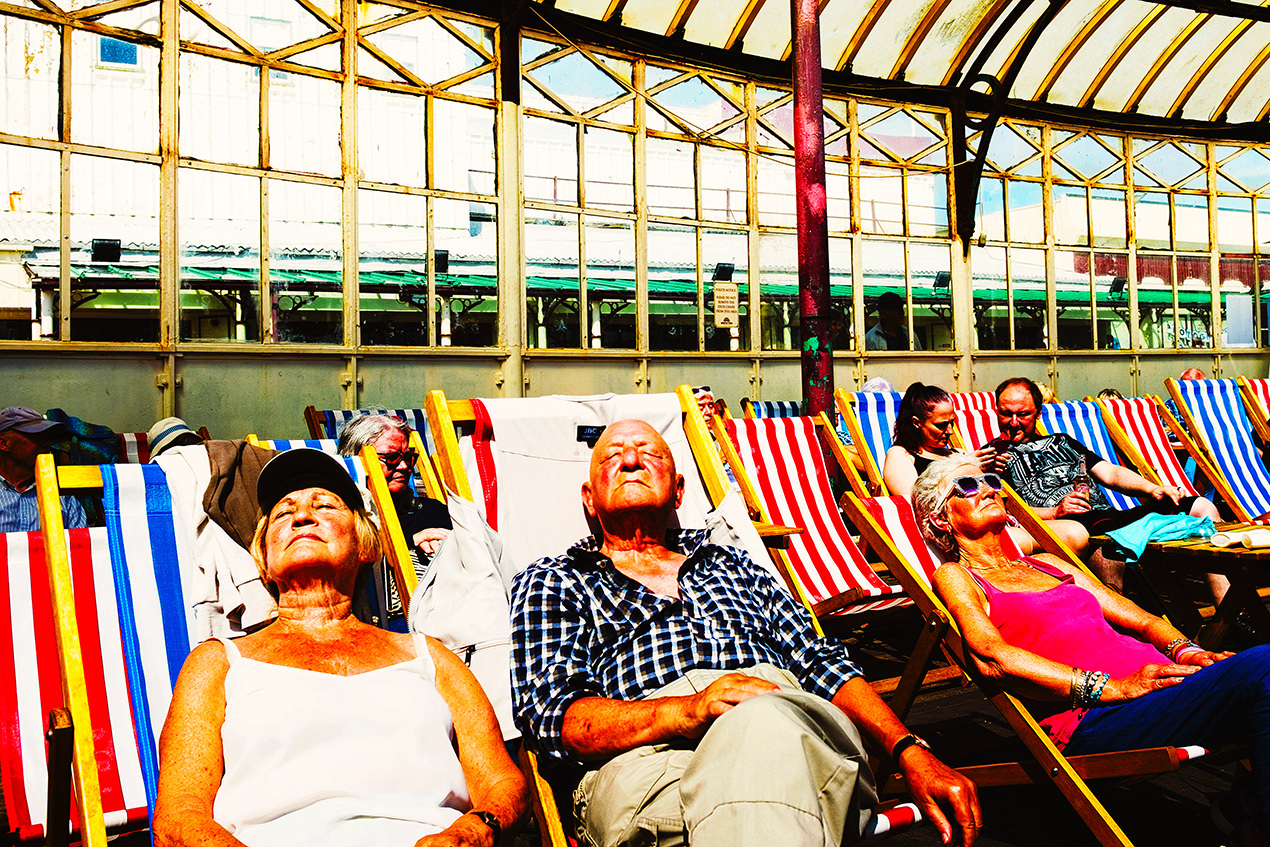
{"x":1214,"y":413}
{"x":770,"y":408}
{"x":326,"y":445}
{"x":1083,"y":422}
{"x":327,"y":423}
{"x":870,"y":418}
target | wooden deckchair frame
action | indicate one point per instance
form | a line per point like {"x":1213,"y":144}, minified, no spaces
{"x":865,"y":477}
{"x":1068,"y":774}
{"x":1256,"y":409}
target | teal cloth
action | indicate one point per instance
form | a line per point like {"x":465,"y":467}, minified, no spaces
{"x":1138,"y":534}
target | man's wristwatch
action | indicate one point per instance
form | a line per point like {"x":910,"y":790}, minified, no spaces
{"x":490,"y":820}
{"x":905,"y":743}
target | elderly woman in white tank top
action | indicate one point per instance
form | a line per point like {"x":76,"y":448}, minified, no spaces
{"x":320,"y":729}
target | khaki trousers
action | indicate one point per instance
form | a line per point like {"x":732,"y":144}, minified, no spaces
{"x":778,"y":769}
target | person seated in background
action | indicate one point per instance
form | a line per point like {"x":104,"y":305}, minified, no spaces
{"x":24,"y":434}
{"x":705,"y":402}
{"x":1110,"y":394}
{"x":1100,"y":674}
{"x":891,"y":330}
{"x":425,"y":522}
{"x":1192,"y":373}
{"x":1054,"y":475}
{"x":320,"y":728}
{"x":169,"y":433}
{"x":687,"y":689}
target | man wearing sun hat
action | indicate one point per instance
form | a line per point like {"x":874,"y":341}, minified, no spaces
{"x":24,"y":434}
{"x":169,"y":433}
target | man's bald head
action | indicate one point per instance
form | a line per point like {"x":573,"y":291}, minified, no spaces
{"x":632,"y":473}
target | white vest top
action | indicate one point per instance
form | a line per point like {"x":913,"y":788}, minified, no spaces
{"x":318,"y":759}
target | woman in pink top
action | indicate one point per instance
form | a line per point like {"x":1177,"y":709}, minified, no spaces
{"x":1099,"y":672}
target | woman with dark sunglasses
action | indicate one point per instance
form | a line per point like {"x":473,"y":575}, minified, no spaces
{"x":1100,"y":674}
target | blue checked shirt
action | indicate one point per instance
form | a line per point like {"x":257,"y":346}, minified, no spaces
{"x":20,"y":510}
{"x":582,"y":628}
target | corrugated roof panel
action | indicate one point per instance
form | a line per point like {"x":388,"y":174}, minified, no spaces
{"x":996,"y":62}
{"x":899,"y":21}
{"x":655,"y":16}
{"x":1205,"y":104}
{"x":1182,"y":66}
{"x":1047,"y":49}
{"x":769,"y":36}
{"x":1098,"y":50}
{"x":838,"y":23}
{"x":1250,"y":104}
{"x":593,"y":9}
{"x":713,"y":23}
{"x":1120,"y":85}
{"x":929,"y":65}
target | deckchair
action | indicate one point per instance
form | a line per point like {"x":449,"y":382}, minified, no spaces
{"x":120,"y":635}
{"x":326,"y":445}
{"x":888,"y":524}
{"x":1135,"y":426}
{"x":134,"y":448}
{"x":977,"y":424}
{"x":769,"y":408}
{"x":870,"y":418}
{"x":326,"y":424}
{"x":1083,"y":422}
{"x":1214,"y":414}
{"x":1256,"y":396}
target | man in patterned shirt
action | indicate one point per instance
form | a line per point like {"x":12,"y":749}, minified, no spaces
{"x":24,"y":434}
{"x":692,"y":686}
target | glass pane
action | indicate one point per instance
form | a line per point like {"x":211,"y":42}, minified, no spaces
{"x":927,"y":195}
{"x":392,"y":268}
{"x":886,"y":317}
{"x":1086,"y":156}
{"x":838,"y":196}
{"x":610,"y":169}
{"x":990,"y":303}
{"x":610,"y":282}
{"x":881,"y":201}
{"x":723,"y":185}
{"x":724,"y":257}
{"x":220,"y":256}
{"x":114,"y":104}
{"x":115,"y":201}
{"x":841,"y":325}
{"x":1026,"y":212}
{"x":305,"y":276}
{"x":552,"y":252}
{"x":1028,"y":299}
{"x":1072,"y":291}
{"x":1237,"y":278}
{"x":220,"y":110}
{"x":1191,"y":226}
{"x":463,"y":147}
{"x":1110,"y":227}
{"x":1111,"y":294}
{"x":427,"y":50}
{"x":990,"y":210}
{"x":1071,"y":215}
{"x":31,"y":208}
{"x":1155,"y":301}
{"x":672,"y":287}
{"x":1234,"y":224}
{"x":778,"y":291}
{"x":776,"y":205}
{"x":392,"y":137}
{"x":672,"y":184}
{"x":301,"y":101}
{"x":30,"y":107}
{"x":467,"y":294}
{"x":1251,"y":169}
{"x":1151,"y":219}
{"x":1194,"y":301}
{"x":931,"y":283}
{"x":578,"y":81}
{"x":551,"y":161}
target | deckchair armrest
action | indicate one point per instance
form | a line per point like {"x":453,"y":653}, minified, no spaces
{"x":1125,"y":764}
{"x":775,"y":535}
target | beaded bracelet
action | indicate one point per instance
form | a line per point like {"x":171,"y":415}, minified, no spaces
{"x":1087,"y":687}
{"x":1097,"y":695}
{"x":1174,"y":644}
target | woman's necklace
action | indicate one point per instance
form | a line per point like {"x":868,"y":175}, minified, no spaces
{"x":996,"y":567}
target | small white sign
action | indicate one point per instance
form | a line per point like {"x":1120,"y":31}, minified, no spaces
{"x":727,"y":305}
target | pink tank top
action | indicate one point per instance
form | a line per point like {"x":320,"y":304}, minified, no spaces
{"x":1064,"y":624}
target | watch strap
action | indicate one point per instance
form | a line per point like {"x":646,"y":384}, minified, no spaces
{"x":490,"y":820}
{"x":905,"y":743}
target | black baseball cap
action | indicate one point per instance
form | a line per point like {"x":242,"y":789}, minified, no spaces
{"x":302,"y":468}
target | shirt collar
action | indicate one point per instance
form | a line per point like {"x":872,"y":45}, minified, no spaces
{"x":586,"y":554}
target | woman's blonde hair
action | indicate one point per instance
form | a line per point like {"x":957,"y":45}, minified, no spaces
{"x":369,"y":548}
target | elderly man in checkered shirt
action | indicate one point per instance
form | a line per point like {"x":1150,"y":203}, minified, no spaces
{"x":685,"y":691}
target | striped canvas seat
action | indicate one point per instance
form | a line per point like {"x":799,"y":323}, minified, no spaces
{"x":783,"y":460}
{"x":770,"y":408}
{"x":1083,"y":422}
{"x":1134,"y":424}
{"x":1256,"y":397}
{"x":976,"y":414}
{"x":326,"y":445}
{"x":133,"y":448}
{"x":331,"y":421}
{"x":1214,"y":413}
{"x":870,"y":418}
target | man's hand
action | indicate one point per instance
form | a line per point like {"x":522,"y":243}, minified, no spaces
{"x":718,"y":697}
{"x":1172,"y":492}
{"x":938,"y":789}
{"x":1072,"y":504}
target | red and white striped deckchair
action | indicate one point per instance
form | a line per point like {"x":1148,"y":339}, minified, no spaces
{"x":976,"y":414}
{"x":888,"y":524}
{"x":133,"y":448}
{"x":782,"y":463}
{"x":1256,"y":397}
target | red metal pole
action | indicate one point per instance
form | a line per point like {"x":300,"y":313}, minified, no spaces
{"x":813,"y":230}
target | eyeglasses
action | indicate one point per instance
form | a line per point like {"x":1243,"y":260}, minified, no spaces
{"x":1007,"y":415}
{"x":969,"y":486}
{"x":392,"y":460}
